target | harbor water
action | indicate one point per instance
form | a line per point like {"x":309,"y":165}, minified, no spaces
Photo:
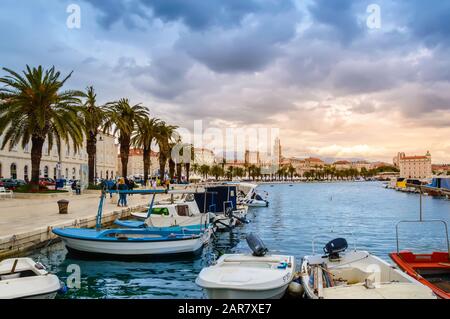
{"x":364,"y":213}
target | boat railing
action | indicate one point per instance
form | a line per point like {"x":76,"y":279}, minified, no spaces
{"x":330,"y":235}
{"x":423,"y":221}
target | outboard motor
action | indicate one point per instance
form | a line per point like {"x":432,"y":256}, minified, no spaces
{"x":256,"y":245}
{"x":334,"y":247}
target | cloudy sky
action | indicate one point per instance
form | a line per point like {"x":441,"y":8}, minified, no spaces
{"x":314,"y":69}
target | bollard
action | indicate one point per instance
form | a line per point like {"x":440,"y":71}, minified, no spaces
{"x":63,"y":205}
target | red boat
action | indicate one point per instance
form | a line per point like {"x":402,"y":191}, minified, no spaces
{"x":432,"y":270}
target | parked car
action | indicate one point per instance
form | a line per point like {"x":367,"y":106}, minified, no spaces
{"x":46,"y":181}
{"x":10,"y":183}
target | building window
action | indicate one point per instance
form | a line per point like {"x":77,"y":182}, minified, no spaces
{"x":74,"y":171}
{"x":25,"y":173}
{"x":46,"y":171}
{"x":1,"y":176}
{"x":26,"y":149}
{"x":13,"y":171}
{"x":107,"y":175}
{"x":67,"y":173}
{"x":54,"y":173}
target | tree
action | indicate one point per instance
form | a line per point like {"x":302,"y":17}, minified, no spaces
{"x":165,"y":136}
{"x":92,"y":117}
{"x":145,"y":135}
{"x":187,"y":165}
{"x":33,"y":108}
{"x":124,"y":118}
{"x":216,"y":171}
{"x":291,"y":171}
{"x":230,"y":172}
{"x":204,"y":171}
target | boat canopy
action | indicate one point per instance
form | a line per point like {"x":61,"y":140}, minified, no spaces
{"x":440,"y":182}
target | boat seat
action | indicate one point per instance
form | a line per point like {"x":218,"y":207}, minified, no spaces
{"x":352,"y":275}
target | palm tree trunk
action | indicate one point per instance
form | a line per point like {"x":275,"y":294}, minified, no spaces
{"x":171,"y":168}
{"x":37,"y":143}
{"x":124,"y":154}
{"x":147,"y":152}
{"x":187,"y":167}
{"x":91,"y":149}
{"x":162,"y":165}
{"x":179,"y":168}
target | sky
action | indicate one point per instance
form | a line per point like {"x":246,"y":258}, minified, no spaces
{"x":335,"y":84}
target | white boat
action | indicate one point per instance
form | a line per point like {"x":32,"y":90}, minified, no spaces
{"x":248,"y":196}
{"x":185,"y":213}
{"x":24,"y":278}
{"x":245,"y":276}
{"x":133,"y":242}
{"x":341,"y":274}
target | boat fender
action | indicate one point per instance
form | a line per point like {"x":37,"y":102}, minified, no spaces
{"x":295,"y":289}
{"x":63,"y":290}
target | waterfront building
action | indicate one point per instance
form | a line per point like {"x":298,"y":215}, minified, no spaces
{"x":68,"y":164}
{"x":304,"y":165}
{"x":342,"y":165}
{"x":441,"y":169}
{"x":376,"y":165}
{"x":204,"y":156}
{"x":359,"y":165}
{"x":414,"y":166}
{"x":135,"y":165}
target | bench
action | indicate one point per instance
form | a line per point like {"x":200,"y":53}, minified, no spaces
{"x":4,"y":192}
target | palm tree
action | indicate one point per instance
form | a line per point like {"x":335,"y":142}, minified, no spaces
{"x":187,"y":165}
{"x":33,"y":107}
{"x":125,"y":119}
{"x":204,"y":170}
{"x":291,"y":171}
{"x":217,"y":171}
{"x":145,"y":135}
{"x":230,"y":172}
{"x":92,"y":117}
{"x":165,"y":135}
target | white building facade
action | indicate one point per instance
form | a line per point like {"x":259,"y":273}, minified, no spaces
{"x":16,"y":163}
{"x":135,"y":167}
{"x":414,"y":166}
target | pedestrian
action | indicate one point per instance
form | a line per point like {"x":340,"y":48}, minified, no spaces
{"x":77,"y":188}
{"x":122,"y":197}
{"x":167,"y":184}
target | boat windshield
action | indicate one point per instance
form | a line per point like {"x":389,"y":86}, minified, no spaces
{"x":160,"y":211}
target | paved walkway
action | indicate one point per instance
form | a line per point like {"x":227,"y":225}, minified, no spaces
{"x":26,"y":223}
{"x":19,"y":215}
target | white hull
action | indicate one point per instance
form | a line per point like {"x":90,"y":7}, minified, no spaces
{"x":257,"y":204}
{"x":185,"y":246}
{"x":358,"y":275}
{"x":29,"y":280}
{"x":276,"y":293}
{"x":247,"y":277}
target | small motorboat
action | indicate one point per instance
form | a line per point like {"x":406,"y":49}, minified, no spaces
{"x":168,"y":216}
{"x":25,"y":278}
{"x":341,"y":274}
{"x":254,"y":199}
{"x":432,"y":270}
{"x":132,"y":242}
{"x":245,"y":276}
